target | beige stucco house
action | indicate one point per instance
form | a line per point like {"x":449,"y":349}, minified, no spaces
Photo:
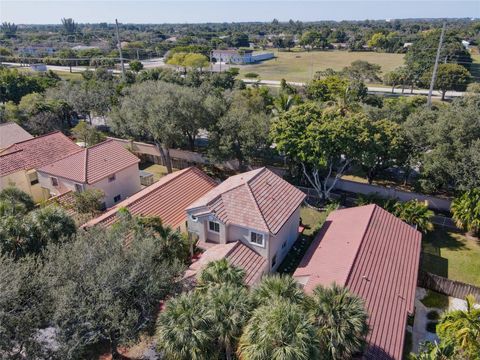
{"x":19,"y":161}
{"x":107,"y":166}
{"x":258,"y":209}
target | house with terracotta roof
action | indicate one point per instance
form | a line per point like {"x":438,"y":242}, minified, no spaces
{"x":19,"y":161}
{"x":11,"y":133}
{"x":376,"y":256}
{"x":107,"y":166}
{"x":166,"y":199}
{"x":258,"y":210}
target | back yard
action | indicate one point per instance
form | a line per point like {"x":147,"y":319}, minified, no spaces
{"x":300,"y":66}
{"x":312,"y":220}
{"x":452,"y":255}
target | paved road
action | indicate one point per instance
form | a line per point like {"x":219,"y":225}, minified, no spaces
{"x":159,"y":62}
{"x":371,"y":89}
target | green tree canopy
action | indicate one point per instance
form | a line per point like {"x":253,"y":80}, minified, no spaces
{"x":466,"y":211}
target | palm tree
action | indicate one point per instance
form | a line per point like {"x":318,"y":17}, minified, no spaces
{"x":466,"y":211}
{"x":430,"y":351}
{"x":341,"y":321}
{"x":415,"y":213}
{"x":220,"y":272}
{"x":228,"y":309}
{"x":183,"y":330}
{"x":279,"y":330}
{"x":69,"y":25}
{"x":462,"y":329}
{"x":278,"y":286}
{"x":283,"y":103}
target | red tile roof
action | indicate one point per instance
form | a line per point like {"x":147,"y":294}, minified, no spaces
{"x":167,"y":198}
{"x":92,"y":164}
{"x":237,"y":254}
{"x":375,"y":255}
{"x":11,"y":133}
{"x":256,"y":199}
{"x":36,"y":152}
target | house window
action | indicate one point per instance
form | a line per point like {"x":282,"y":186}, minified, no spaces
{"x":274,"y":260}
{"x":117,"y":198}
{"x":256,"y":238}
{"x":111,"y":178}
{"x":78,"y":188}
{"x":54,"y":181}
{"x":103,"y":206}
{"x":284,"y":245}
{"x":214,"y":226}
{"x":33,"y":178}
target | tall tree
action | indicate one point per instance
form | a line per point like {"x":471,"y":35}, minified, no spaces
{"x":242,"y":133}
{"x":279,"y":330}
{"x":182,"y":328}
{"x":109,"y":293}
{"x":324,"y":143}
{"x":462,"y":329}
{"x":384,"y":147}
{"x":450,"y":77}
{"x":69,"y":26}
{"x":220,"y":272}
{"x":466,"y":211}
{"x":341,"y":319}
{"x":278,"y":287}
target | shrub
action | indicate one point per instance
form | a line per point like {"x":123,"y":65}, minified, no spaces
{"x":433,"y":315}
{"x":431,"y":327}
{"x":251,"y":75}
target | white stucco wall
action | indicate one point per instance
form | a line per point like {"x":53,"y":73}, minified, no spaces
{"x":243,"y":234}
{"x":273,"y":243}
{"x":288,"y":233}
{"x":126,"y":183}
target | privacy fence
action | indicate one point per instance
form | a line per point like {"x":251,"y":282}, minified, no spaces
{"x":181,"y":159}
{"x":446,"y":286}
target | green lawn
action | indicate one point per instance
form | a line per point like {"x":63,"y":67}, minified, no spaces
{"x":452,"y":255}
{"x":300,"y":66}
{"x":313,"y":220}
{"x":158,"y":171}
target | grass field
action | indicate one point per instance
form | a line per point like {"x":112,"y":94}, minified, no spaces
{"x":452,"y":255}
{"x":300,"y":66}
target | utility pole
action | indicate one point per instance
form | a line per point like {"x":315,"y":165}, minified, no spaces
{"x":120,"y":51}
{"x":435,"y":67}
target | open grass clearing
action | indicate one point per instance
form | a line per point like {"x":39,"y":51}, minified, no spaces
{"x":452,"y":255}
{"x":301,"y":66}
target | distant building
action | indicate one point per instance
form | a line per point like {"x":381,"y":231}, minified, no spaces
{"x":232,"y":56}
{"x":466,"y":44}
{"x":407,"y":45}
{"x":38,"y":67}
{"x":36,"y":50}
{"x":107,"y":166}
{"x":84,"y":47}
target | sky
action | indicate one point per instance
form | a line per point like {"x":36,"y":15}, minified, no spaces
{"x":199,"y":11}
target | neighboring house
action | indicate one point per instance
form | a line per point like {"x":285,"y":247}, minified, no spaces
{"x":11,"y":133}
{"x":233,"y":56}
{"x":19,"y":162}
{"x":257,"y":208}
{"x":107,"y":166}
{"x":166,"y":199}
{"x":376,"y":256}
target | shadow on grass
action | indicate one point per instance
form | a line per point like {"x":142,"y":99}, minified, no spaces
{"x":432,"y":245}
